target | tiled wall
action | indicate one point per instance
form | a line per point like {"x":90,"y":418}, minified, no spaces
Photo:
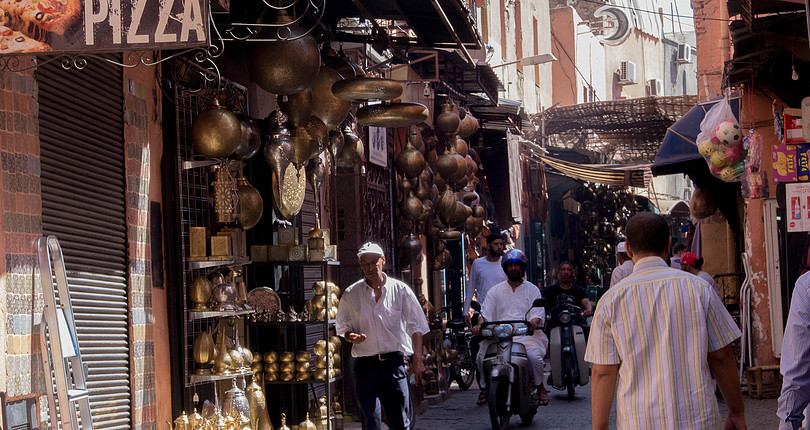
{"x":20,"y":298}
{"x":137,"y":100}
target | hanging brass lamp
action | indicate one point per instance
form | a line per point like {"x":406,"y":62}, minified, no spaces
{"x":394,"y":114}
{"x":367,"y":87}
{"x":286,"y":64}
{"x":215,"y":132}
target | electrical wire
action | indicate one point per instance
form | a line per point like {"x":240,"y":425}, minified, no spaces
{"x":656,"y":12}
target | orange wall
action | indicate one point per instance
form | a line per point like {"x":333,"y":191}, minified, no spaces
{"x":563,"y":40}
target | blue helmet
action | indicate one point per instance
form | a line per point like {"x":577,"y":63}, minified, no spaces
{"x":514,"y":256}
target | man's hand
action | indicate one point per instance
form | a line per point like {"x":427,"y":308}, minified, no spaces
{"x":476,"y":329}
{"x":355,"y":338}
{"x":417,"y":368}
{"x":534,"y":323}
{"x":734,"y":422}
{"x":587,"y":312}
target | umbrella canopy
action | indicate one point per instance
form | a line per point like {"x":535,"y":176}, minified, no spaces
{"x":678,"y":151}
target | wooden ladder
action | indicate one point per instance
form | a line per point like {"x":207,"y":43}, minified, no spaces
{"x":59,"y":345}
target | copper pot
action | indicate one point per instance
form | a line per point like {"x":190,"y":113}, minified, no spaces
{"x":215,"y":132}
{"x":460,"y":214}
{"x":439,"y":181}
{"x":472,"y":168}
{"x":363,"y":88}
{"x":405,"y":185}
{"x":410,"y":162}
{"x":250,"y":139}
{"x":461,"y":170}
{"x":468,"y":126}
{"x":330,"y":109}
{"x":250,"y":202}
{"x":398,"y":114}
{"x":422,"y":191}
{"x":297,"y":107}
{"x":353,"y":150}
{"x":278,"y":149}
{"x":410,"y":208}
{"x":289,"y":63}
{"x":461,"y":147}
{"x":447,"y":121}
{"x":469,"y":197}
{"x":410,"y":247}
{"x":446,"y":204}
{"x":479,"y":211}
{"x":446,"y":165}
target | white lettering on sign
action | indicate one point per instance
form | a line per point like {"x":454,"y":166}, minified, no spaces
{"x":143,"y":28}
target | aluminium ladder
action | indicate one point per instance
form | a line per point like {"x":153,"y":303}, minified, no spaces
{"x":59,"y":345}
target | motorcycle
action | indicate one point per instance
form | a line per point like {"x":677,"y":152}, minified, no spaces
{"x":566,"y":343}
{"x":508,"y":372}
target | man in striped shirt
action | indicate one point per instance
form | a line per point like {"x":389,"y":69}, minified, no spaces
{"x":654,"y":338}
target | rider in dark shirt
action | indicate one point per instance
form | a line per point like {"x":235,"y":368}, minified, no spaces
{"x":564,"y":291}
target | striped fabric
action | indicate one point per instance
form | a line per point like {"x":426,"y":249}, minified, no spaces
{"x":621,"y":272}
{"x":658,"y":325}
{"x":795,"y":363}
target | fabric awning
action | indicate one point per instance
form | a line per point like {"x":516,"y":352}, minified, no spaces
{"x":678,"y":149}
{"x":608,"y":174}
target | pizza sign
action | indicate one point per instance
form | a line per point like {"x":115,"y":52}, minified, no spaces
{"x":81,"y":26}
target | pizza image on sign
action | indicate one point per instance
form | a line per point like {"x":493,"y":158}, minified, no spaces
{"x":81,"y":26}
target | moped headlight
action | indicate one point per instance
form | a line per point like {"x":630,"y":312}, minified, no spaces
{"x":503,"y":331}
{"x":565,"y":317}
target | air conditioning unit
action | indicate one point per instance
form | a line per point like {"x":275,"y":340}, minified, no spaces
{"x":656,"y":87}
{"x":627,"y":73}
{"x":684,"y":53}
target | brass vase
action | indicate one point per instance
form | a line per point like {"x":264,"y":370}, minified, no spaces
{"x":278,"y":149}
{"x":199,"y":293}
{"x":287,"y":64}
{"x":203,"y":353}
{"x":469,"y":125}
{"x":250,"y":138}
{"x":215,"y":132}
{"x":250,"y":203}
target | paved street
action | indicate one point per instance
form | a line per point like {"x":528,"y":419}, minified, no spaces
{"x":460,"y":412}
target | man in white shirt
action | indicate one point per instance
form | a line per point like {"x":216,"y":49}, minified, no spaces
{"x":625,"y":267}
{"x":485,"y":273}
{"x":383,"y":321}
{"x":512,"y":300}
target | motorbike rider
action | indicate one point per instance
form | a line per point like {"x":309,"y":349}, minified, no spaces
{"x":565,"y":291}
{"x":512,"y":300}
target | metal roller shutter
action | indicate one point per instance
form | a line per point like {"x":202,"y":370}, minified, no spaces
{"x":84,"y":206}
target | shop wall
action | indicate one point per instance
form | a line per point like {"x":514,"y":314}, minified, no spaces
{"x":712,"y":44}
{"x":149,"y":337}
{"x":20,"y":295}
{"x":642,"y":49}
{"x":21,"y":206}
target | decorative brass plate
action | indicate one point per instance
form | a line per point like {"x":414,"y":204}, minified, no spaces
{"x":290,"y":196}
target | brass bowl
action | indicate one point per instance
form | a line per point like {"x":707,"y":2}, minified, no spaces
{"x":268,"y":376}
{"x":270,"y":357}
{"x":321,"y":362}
{"x":302,"y":356}
{"x":400,"y":114}
{"x":286,"y":377}
{"x":367,"y":88}
{"x":318,"y":287}
{"x":257,"y":368}
{"x":272,"y":367}
{"x":287,"y":367}
{"x":320,"y":374}
{"x":320,"y":347}
{"x":302,"y":367}
{"x":335,"y":342}
{"x":302,"y":376}
{"x":333,"y":289}
{"x":286,"y":357}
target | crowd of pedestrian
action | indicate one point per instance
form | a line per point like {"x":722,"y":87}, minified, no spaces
{"x":658,"y":344}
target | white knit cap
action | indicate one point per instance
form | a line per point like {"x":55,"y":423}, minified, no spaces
{"x":621,"y":247}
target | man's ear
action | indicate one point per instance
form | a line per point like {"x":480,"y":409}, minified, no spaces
{"x":629,"y":250}
{"x":669,"y":244}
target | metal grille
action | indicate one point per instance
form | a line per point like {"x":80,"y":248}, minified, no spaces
{"x":84,"y":206}
{"x":196,"y":88}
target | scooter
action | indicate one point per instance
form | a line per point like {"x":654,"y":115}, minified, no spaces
{"x":508,"y":372}
{"x":567,"y":348}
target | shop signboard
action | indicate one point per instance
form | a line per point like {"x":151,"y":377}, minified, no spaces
{"x":798,"y":201}
{"x":378,"y":146}
{"x":93,"y":26}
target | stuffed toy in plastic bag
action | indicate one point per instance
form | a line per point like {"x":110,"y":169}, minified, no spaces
{"x":720,"y":142}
